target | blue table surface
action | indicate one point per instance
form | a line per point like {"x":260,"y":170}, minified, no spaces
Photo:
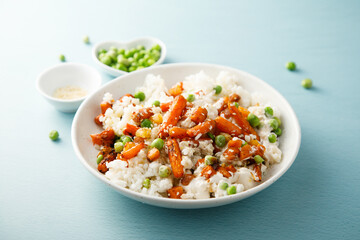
{"x":45,"y":192}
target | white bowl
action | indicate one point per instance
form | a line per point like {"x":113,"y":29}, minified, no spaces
{"x":148,"y":42}
{"x":83,"y":126}
{"x":67,"y":74}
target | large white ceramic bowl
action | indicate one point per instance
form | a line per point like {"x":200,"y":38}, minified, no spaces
{"x":83,"y":126}
{"x":147,"y":42}
{"x":67,"y":74}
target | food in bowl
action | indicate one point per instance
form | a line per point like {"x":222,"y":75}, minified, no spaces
{"x":202,"y":138}
{"x":129,"y":60}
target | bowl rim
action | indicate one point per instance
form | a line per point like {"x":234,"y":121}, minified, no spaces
{"x":189,"y":203}
{"x":108,"y":68}
{"x":61,"y":65}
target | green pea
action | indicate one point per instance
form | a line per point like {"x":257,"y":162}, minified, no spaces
{"x":122,"y":67}
{"x":139,"y":68}
{"x":101,"y":51}
{"x":131,"y":60}
{"x":141,"y":62}
{"x":218,"y":89}
{"x":231,"y":190}
{"x":99,"y":159}
{"x":62,"y":58}
{"x":146,"y":183}
{"x":140,"y":47}
{"x":274,"y":124}
{"x":272,"y":138}
{"x":164,"y":171}
{"x":210,"y":160}
{"x":140,"y":95}
{"x":156,"y":103}
{"x":112,"y":54}
{"x":132,"y":68}
{"x":211,"y":136}
{"x":269,"y":111}
{"x":146,"y":123}
{"x":278,"y":132}
{"x":223,"y":185}
{"x":150,"y":61}
{"x":134,"y":64}
{"x":86,"y":39}
{"x":190,"y":98}
{"x":106,"y":60}
{"x":253,"y":120}
{"x":54,"y":135}
{"x":220,"y":141}
{"x":291,"y":66}
{"x":258,"y":159}
{"x":157,"y":143}
{"x":306,"y":83}
{"x":125,"y":139}
{"x":128,"y":53}
{"x":121,"y":51}
{"x":278,"y":120}
{"x":156,"y":47}
{"x":118,"y":146}
{"x":236,"y":104}
{"x":121,"y":59}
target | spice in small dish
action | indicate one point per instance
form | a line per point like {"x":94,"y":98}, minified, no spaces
{"x":69,"y":92}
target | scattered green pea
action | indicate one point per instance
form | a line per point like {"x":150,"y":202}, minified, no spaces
{"x":62,"y":58}
{"x":218,"y":89}
{"x":156,"y":103}
{"x":146,"y":123}
{"x":210,"y":160}
{"x":157,"y":143}
{"x":274,"y":124}
{"x":220,"y":141}
{"x":223,"y":185}
{"x":99,"y":158}
{"x":146,"y":183}
{"x":269,"y":111}
{"x":118,"y":146}
{"x":54,"y":135}
{"x":125,"y":139}
{"x":190,"y":98}
{"x":86,"y":39}
{"x":272,"y":138}
{"x":258,"y":159}
{"x":253,"y":120}
{"x":306,"y":83}
{"x":140,"y":96}
{"x":164,"y":171}
{"x":231,"y":190}
{"x":211,"y":136}
{"x":291,"y":66}
{"x":106,"y":60}
{"x":278,"y":132}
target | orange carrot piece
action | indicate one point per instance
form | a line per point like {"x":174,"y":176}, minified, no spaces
{"x":200,"y":161}
{"x":223,"y":171}
{"x":126,"y":95}
{"x":224,"y":103}
{"x":175,"y":157}
{"x":153,"y":154}
{"x":165,"y":106}
{"x":177,"y":132}
{"x":175,"y":114}
{"x":235,"y":143}
{"x":104,"y":138}
{"x":199,"y":115}
{"x":208,"y":172}
{"x":132,"y":152}
{"x":230,"y":168}
{"x":102,"y":167}
{"x":257,"y":169}
{"x":143,"y":113}
{"x":129,"y":145}
{"x":104,"y":106}
{"x":234,"y":97}
{"x":187,"y":179}
{"x":97,"y":119}
{"x":175,"y":192}
{"x":130,"y":129}
{"x":241,"y":121}
{"x":202,"y":128}
{"x":254,"y":142}
{"x":250,"y":151}
{"x":176,"y":90}
{"x":244,"y":111}
{"x":231,"y":153}
{"x":227,"y":127}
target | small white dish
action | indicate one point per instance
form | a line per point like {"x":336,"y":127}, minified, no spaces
{"x":83,"y":125}
{"x":148,"y":42}
{"x":67,"y":74}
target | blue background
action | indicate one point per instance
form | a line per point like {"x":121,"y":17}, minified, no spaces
{"x":45,"y":192}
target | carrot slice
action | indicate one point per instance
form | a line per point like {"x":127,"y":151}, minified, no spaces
{"x":132,"y":152}
{"x":235,"y":143}
{"x":200,"y":161}
{"x":208,"y":172}
{"x":230,"y":168}
{"x":202,"y":128}
{"x":224,"y":103}
{"x":231,"y":153}
{"x":241,"y":121}
{"x":248,"y":151}
{"x":199,"y":115}
{"x":176,"y":90}
{"x":129,"y":145}
{"x":130,"y":129}
{"x":126,"y":95}
{"x":165,"y":106}
{"x":104,"y":106}
{"x":228,"y":127}
{"x":102,"y":167}
{"x":175,"y":192}
{"x":224,"y":172}
{"x":175,"y":114}
{"x":177,"y":132}
{"x":244,"y":111}
{"x":97,"y":119}
{"x":105,"y":138}
{"x":143,"y":113}
{"x":153,"y":154}
{"x":175,"y":157}
{"x":187,"y":179}
{"x":257,"y":169}
{"x":234,"y":97}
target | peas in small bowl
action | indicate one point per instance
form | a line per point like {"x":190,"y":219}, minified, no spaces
{"x":118,"y":58}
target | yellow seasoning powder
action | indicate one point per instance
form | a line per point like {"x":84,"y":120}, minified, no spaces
{"x":69,"y":92}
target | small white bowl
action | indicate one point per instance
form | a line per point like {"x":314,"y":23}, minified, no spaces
{"x":148,"y":42}
{"x":67,"y":74}
{"x":83,"y":125}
